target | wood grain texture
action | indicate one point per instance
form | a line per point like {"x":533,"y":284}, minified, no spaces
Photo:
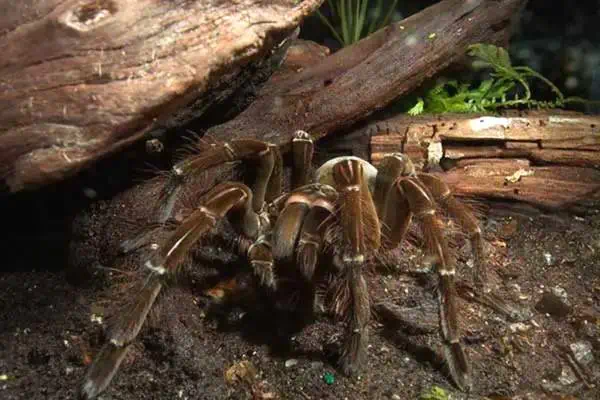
{"x":81,"y":79}
{"x":92,"y":91}
{"x":354,"y":82}
{"x":550,"y":159}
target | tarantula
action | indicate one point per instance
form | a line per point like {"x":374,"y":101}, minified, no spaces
{"x":346,"y":208}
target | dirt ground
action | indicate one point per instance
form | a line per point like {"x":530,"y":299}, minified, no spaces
{"x":51,"y":323}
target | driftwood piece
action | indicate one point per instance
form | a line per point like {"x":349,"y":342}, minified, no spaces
{"x":549,"y":159}
{"x":357,"y":80}
{"x":82,"y":79}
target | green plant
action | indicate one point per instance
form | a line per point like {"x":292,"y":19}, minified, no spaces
{"x":350,"y":21}
{"x":434,"y":393}
{"x":497,"y":92}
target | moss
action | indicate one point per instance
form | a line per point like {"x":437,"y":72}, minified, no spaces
{"x":434,"y":393}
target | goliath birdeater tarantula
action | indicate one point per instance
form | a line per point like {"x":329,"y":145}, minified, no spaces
{"x":346,"y":209}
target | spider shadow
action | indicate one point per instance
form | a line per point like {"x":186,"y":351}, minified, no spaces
{"x":255,"y":316}
{"x":408,"y":333}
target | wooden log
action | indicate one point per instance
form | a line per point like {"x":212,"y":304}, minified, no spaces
{"x":550,"y":159}
{"x":578,"y":158}
{"x":82,"y":79}
{"x":106,"y":73}
{"x":354,"y":82}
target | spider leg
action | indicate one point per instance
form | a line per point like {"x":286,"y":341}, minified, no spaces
{"x":295,"y":207}
{"x":107,"y":361}
{"x":298,"y":236}
{"x":392,"y":207}
{"x":302,"y":154}
{"x":423,"y":207}
{"x":361,"y":233}
{"x":388,"y":172}
{"x":310,"y":241}
{"x":102,"y":370}
{"x":260,"y":256}
{"x":470,"y":224}
{"x":227,"y":199}
{"x":316,"y":222}
{"x":266,"y":187}
{"x":274,"y":183}
{"x":465,"y":218}
{"x":288,"y":225}
{"x":219,"y":153}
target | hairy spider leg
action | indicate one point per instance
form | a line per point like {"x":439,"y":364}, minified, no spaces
{"x":302,"y":155}
{"x":266,"y":186}
{"x":310,"y":240}
{"x":466,"y":220}
{"x":265,"y":154}
{"x":288,"y":225}
{"x":470,"y":225}
{"x":227,"y":199}
{"x":262,"y":254}
{"x":424,"y":210}
{"x":361,"y":235}
{"x":274,"y":182}
{"x":392,"y":207}
{"x":294,"y":208}
{"x":103,"y":369}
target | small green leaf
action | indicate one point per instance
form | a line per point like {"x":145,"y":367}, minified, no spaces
{"x":417,"y":108}
{"x":490,"y":54}
{"x":434,"y":393}
{"x":351,"y":20}
{"x":329,"y":378}
{"x":485,"y":86}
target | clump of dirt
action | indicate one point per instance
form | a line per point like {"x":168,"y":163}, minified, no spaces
{"x":547,"y":267}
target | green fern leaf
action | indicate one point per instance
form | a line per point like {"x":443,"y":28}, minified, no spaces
{"x":490,"y":55}
{"x":417,"y":108}
{"x":500,"y":91}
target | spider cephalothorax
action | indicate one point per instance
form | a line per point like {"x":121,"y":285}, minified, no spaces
{"x":337,"y":218}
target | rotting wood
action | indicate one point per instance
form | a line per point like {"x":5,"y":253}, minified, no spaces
{"x":99,"y":111}
{"x":550,"y":159}
{"x":82,"y":79}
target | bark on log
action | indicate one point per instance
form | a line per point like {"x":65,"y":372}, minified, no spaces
{"x":550,"y":159}
{"x":81,"y":79}
{"x":357,"y":80}
{"x":88,"y":99}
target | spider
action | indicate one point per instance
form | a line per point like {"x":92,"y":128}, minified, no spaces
{"x":346,"y":209}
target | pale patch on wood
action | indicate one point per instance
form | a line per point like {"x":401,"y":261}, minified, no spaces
{"x":493,"y":126}
{"x":516,"y":177}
